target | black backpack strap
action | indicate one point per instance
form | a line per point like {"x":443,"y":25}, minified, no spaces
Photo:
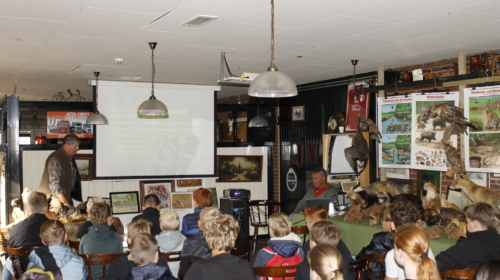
{"x":48,"y":261}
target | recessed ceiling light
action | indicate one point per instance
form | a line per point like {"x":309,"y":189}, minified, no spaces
{"x":125,"y":78}
{"x":199,"y":20}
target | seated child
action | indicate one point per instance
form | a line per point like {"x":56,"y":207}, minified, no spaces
{"x":221,"y":233}
{"x":202,"y":198}
{"x":57,"y":256}
{"x":170,"y":239}
{"x":151,"y":212}
{"x":284,"y":247}
{"x":144,"y":253}
{"x":411,"y":249}
{"x":121,"y":267}
{"x":482,"y":244}
{"x":325,"y":262}
{"x":84,"y":228}
{"x":195,"y":248}
{"x":101,"y":239}
{"x":381,"y":242}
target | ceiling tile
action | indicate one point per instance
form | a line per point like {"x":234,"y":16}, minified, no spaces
{"x":484,"y":45}
{"x":102,"y":23}
{"x":161,"y":67}
{"x":46,"y":10}
{"x":28,"y":30}
{"x":77,"y":46}
{"x":18,"y":51}
{"x":262,"y":49}
{"x":138,"y":40}
{"x":331,"y":29}
{"x":8,"y":66}
{"x":236,"y":65}
{"x":227,"y":13}
{"x":104,"y":69}
{"x":57,"y":61}
{"x":45,"y":73}
{"x":286,"y":60}
{"x":130,"y":58}
{"x":490,"y":28}
{"x":198,"y":53}
{"x":486,"y":7}
{"x":146,"y":6}
{"x":299,"y":70}
{"x":364,"y":57}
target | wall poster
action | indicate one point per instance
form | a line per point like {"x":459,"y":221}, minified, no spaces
{"x":394,"y":120}
{"x":357,"y":104}
{"x":482,"y":146}
{"x":427,"y":150}
{"x":61,"y":123}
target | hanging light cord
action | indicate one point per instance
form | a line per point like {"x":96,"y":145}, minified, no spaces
{"x":272,"y":34}
{"x":96,"y":74}
{"x":154,"y":70}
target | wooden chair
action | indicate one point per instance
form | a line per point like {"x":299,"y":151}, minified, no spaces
{"x":374,"y":258}
{"x":275,"y":271}
{"x":242,"y":250}
{"x":467,"y":274}
{"x":301,"y":230}
{"x":16,"y":255}
{"x":172,"y":256}
{"x":95,"y":259}
{"x":74,"y":245}
{"x":260,"y":210}
{"x":358,"y":267}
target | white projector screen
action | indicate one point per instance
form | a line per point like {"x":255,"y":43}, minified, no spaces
{"x":182,"y":146}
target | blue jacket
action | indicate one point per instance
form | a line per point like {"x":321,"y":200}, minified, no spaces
{"x":150,"y":271}
{"x":190,"y":222}
{"x":71,"y":265}
{"x":286,"y":246}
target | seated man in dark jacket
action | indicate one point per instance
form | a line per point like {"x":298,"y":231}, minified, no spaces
{"x":151,"y":212}
{"x":482,"y":244}
{"x":120,"y":268}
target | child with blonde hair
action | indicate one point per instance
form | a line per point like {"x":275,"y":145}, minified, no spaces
{"x":325,"y":262}
{"x":170,"y":239}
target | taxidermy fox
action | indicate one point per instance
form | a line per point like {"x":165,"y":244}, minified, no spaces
{"x":477,"y":193}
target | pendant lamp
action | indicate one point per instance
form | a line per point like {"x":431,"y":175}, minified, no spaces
{"x":258,"y":121}
{"x":272,"y":83}
{"x":97,"y":118}
{"x":152,"y":108}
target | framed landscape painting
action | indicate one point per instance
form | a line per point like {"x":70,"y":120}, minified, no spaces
{"x":125,"y":202}
{"x":236,"y":169}
{"x":84,"y":165}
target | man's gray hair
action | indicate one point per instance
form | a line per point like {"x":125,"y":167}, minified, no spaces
{"x":321,"y":171}
{"x":70,"y":139}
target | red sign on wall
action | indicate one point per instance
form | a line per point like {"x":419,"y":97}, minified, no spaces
{"x":61,"y":123}
{"x":357,"y":105}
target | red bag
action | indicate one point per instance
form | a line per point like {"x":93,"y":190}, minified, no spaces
{"x":278,"y":260}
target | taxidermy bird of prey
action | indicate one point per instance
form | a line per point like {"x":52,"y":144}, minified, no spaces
{"x":374,"y":131}
{"x":453,"y":129}
{"x":454,"y":159}
{"x":450,"y":114}
{"x":357,"y":155}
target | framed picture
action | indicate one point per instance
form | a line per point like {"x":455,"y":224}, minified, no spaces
{"x":182,"y":201}
{"x":479,"y":178}
{"x":455,"y":197}
{"x":348,"y":185}
{"x":299,"y":113}
{"x":242,"y":169}
{"x":495,"y":175}
{"x":125,"y":202}
{"x":106,"y":199}
{"x":424,"y":176}
{"x":399,"y":173}
{"x":215,"y":199}
{"x":162,"y":188}
{"x":84,"y":165}
{"x":407,"y":185}
{"x":189,"y":183}
{"x":286,"y":152}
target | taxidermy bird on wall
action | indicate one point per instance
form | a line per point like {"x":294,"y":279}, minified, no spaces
{"x":374,"y":131}
{"x":453,"y":157}
{"x":357,"y":155}
{"x":450,"y":114}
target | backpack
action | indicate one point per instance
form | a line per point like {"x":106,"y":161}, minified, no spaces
{"x":35,"y":272}
{"x":278,"y":260}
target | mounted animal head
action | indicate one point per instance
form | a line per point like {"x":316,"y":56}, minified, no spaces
{"x":429,"y":186}
{"x":460,"y":182}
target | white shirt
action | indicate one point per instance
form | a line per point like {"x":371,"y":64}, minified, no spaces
{"x":393,"y":270}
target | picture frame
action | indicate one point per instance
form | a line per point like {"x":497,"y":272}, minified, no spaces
{"x":398,"y":173}
{"x":348,"y":185}
{"x":424,"y":176}
{"x":182,"y":201}
{"x":299,"y":113}
{"x":495,"y":176}
{"x":455,"y":197}
{"x":479,"y":178}
{"x":84,"y":163}
{"x":125,"y":202}
{"x":106,"y":199}
{"x":161,"y":188}
{"x":189,"y":183}
{"x":239,"y":169}
{"x":215,"y":199}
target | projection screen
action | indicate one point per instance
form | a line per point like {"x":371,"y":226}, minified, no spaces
{"x":182,"y":146}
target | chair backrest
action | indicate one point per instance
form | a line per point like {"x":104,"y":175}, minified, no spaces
{"x":467,"y":273}
{"x":275,"y":271}
{"x":358,"y":267}
{"x":371,"y":258}
{"x":172,"y":256}
{"x":16,"y":255}
{"x":301,"y":230}
{"x":74,"y":244}
{"x":96,"y":259}
{"x":242,"y":250}
{"x":260,"y":210}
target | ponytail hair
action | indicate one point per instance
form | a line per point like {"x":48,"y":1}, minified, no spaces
{"x":414,"y":241}
{"x":326,"y":262}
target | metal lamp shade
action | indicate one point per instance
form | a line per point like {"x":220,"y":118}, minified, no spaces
{"x":258,"y":121}
{"x":97,"y":119}
{"x":152,"y":109}
{"x":272,"y":84}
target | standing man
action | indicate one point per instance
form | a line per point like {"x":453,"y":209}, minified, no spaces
{"x":321,"y":189}
{"x":61,"y":179}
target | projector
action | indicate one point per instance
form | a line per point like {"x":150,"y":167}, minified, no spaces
{"x":237,"y":193}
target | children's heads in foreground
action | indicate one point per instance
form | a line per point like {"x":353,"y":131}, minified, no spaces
{"x":52,"y":232}
{"x":202,"y":197}
{"x":479,"y":216}
{"x":325,"y":262}
{"x":169,"y":220}
{"x":489,"y":270}
{"x":411,"y":247}
{"x":406,"y":209}
{"x":100,"y":213}
{"x":221,"y":233}
{"x":38,"y":203}
{"x":325,"y":233}
{"x":144,"y":249}
{"x":151,"y":200}
{"x":206,"y":215}
{"x":279,"y":225}
{"x":137,"y":227}
{"x":315,"y":214}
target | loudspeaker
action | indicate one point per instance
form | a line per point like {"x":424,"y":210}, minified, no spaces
{"x":238,"y":208}
{"x":262,"y":134}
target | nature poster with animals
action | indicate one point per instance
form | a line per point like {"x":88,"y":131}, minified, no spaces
{"x":430,"y":131}
{"x":357,"y":104}
{"x":394,"y":122}
{"x":482,"y":145}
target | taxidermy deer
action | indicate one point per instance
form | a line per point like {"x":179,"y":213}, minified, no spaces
{"x":477,"y":193}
